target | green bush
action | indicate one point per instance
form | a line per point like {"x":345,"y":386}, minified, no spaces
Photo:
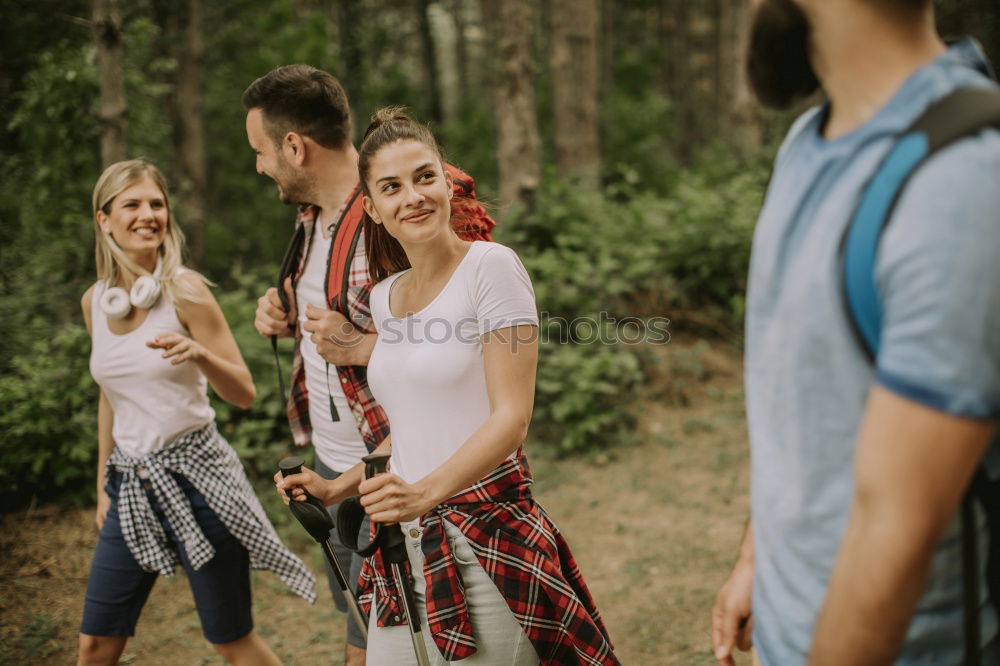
{"x":637,"y":140}
{"x":48,"y":425}
{"x":677,"y":261}
{"x":635,"y":254}
{"x":581,"y":399}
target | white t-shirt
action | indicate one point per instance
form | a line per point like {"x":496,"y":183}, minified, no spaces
{"x":427,"y":369}
{"x":338,"y":443}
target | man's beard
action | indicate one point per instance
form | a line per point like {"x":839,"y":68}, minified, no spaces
{"x":778,"y":58}
{"x":293,"y":188}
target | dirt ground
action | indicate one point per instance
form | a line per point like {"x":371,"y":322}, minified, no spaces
{"x":655,"y":525}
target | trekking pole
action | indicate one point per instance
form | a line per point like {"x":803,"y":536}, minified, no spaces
{"x":314,"y":517}
{"x":393,"y":547}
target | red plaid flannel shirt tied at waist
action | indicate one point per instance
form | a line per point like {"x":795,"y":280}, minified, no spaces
{"x":526,"y":556}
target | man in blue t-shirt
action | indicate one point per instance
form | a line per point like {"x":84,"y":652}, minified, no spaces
{"x":852,"y":555}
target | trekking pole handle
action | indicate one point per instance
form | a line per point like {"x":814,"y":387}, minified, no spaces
{"x":291,"y":465}
{"x":375,"y":463}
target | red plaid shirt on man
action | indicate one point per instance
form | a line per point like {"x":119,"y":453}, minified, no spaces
{"x":350,"y":298}
{"x":526,"y":556}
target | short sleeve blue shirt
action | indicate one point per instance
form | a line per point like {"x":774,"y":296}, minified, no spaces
{"x":938,"y":273}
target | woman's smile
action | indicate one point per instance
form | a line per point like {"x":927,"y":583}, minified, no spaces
{"x":418,"y":216}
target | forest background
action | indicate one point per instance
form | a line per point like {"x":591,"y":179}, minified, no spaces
{"x":619,"y":141}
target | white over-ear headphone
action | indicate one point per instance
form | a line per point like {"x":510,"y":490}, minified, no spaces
{"x":116,"y":303}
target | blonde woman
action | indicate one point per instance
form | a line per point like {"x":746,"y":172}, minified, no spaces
{"x":170,"y":489}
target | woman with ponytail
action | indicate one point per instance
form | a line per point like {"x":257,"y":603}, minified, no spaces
{"x":170,"y":489}
{"x":454,"y":369}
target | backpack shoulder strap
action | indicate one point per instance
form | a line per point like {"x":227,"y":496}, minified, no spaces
{"x":342,"y":248}
{"x":958,"y":115}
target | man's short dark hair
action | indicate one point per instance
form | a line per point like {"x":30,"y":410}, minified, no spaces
{"x":302,"y":99}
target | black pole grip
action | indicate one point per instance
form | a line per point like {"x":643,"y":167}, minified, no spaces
{"x":351,"y":514}
{"x":311,"y":513}
{"x":376,"y":463}
{"x":288,"y":466}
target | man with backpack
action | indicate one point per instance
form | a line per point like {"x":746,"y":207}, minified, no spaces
{"x":872,"y":346}
{"x":299,"y":125}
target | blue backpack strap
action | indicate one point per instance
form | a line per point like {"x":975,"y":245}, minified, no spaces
{"x":958,"y":115}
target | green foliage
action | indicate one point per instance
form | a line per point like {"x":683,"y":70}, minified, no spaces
{"x":587,"y":253}
{"x":706,"y":247}
{"x":470,"y":143}
{"x":582,"y":395}
{"x":679,"y":260}
{"x":45,"y":210}
{"x":146,"y":91}
{"x":260,"y":434}
{"x":48,"y":426}
{"x":634,"y":254}
{"x":636,"y":137}
{"x":35,"y":639}
{"x":245,"y":220}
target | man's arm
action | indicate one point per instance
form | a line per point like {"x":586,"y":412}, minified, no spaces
{"x":732,"y":615}
{"x":913,"y":465}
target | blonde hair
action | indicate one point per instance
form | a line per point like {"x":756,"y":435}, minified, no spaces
{"x":113,"y":265}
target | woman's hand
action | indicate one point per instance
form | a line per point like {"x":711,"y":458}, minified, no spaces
{"x":389,"y":499}
{"x":298,"y":484}
{"x":103,"y":504}
{"x":179,"y":347}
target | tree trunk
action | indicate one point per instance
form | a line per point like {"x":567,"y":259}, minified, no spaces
{"x":518,"y":146}
{"x":741,"y":115}
{"x":352,"y":77}
{"x":429,"y":63}
{"x":190,"y":131}
{"x":461,"y":46}
{"x":607,"y":48}
{"x":112,"y":110}
{"x":681,"y":86}
{"x":573,"y":61}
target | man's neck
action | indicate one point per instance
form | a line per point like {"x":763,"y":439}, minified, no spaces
{"x":862,"y":55}
{"x":336,"y":173}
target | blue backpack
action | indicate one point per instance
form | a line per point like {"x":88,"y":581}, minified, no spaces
{"x":956,"y":116}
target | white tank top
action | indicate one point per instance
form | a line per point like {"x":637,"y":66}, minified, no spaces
{"x":154,"y":402}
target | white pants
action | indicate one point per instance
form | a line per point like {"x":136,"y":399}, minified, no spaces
{"x":500,"y":641}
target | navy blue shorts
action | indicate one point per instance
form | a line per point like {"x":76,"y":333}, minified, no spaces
{"x":118,"y":587}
